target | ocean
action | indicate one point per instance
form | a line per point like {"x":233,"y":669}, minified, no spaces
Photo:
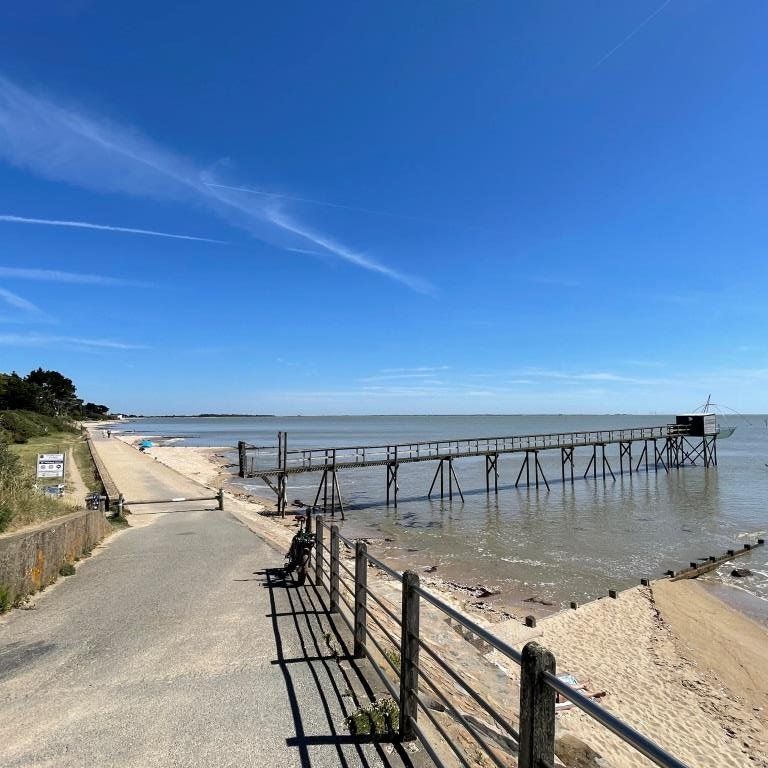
{"x":572,"y":542}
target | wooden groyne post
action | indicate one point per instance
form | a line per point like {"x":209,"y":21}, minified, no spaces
{"x":697,"y":570}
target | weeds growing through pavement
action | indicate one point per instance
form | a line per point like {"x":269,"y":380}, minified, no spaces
{"x":378,"y":720}
{"x":393,"y":655}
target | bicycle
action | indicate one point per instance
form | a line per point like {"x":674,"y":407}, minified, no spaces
{"x":299,"y":554}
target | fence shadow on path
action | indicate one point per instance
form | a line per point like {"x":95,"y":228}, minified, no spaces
{"x":315,"y":658}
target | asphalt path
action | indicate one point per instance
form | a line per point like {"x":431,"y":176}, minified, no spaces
{"x":177,"y":643}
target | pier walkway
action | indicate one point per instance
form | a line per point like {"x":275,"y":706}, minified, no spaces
{"x":177,"y":644}
{"x":666,"y":446}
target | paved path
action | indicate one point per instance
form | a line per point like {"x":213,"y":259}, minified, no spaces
{"x":175,"y":645}
{"x":75,"y":489}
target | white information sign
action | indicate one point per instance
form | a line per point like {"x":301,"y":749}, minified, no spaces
{"x":50,"y":465}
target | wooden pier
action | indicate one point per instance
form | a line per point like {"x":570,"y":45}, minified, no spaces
{"x":669,"y":446}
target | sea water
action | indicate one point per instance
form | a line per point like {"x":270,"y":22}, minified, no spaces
{"x":571,"y":542}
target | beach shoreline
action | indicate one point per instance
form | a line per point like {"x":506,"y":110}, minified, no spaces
{"x":656,"y":651}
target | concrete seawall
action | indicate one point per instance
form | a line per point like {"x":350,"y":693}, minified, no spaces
{"x":110,"y":489}
{"x":31,"y":558}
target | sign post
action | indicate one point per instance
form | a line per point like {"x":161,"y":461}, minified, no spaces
{"x":50,"y":465}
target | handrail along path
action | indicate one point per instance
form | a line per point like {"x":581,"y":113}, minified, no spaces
{"x":538,"y":682}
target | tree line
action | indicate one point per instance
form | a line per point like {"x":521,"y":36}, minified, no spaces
{"x":49,"y":393}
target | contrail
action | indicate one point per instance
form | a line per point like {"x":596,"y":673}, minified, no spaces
{"x":340,"y":206}
{"x":293,"y":198}
{"x":633,"y":33}
{"x":104,"y":227}
{"x":37,"y":340}
{"x":279,"y":219}
{"x":65,"y":145}
{"x":57,"y":276}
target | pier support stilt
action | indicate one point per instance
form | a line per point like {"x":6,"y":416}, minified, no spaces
{"x":643,"y":457}
{"x":282,"y":486}
{"x":592,"y":464}
{"x":338,"y":494}
{"x":451,"y":477}
{"x":539,"y":471}
{"x":392,"y":487}
{"x":659,"y":457}
{"x":492,"y":465}
{"x":566,"y":458}
{"x":523,"y":467}
{"x":606,"y":463}
{"x":625,"y":450}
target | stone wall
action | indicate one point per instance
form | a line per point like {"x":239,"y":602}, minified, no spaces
{"x":31,"y":558}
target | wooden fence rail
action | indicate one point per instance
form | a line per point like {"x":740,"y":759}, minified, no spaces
{"x":539,"y":684}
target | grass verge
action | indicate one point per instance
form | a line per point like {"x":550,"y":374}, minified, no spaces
{"x":21,"y":504}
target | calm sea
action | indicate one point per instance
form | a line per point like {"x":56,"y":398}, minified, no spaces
{"x":568,"y":543}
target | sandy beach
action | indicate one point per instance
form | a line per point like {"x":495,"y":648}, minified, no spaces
{"x":665,"y":676}
{"x":674,"y":661}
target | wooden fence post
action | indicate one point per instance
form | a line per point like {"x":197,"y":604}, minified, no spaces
{"x":409,"y":657}
{"x":537,"y":708}
{"x":334,"y":569}
{"x":241,"y":458}
{"x":319,"y":549}
{"x":220,"y":498}
{"x":361,"y":599}
{"x":120,"y":505}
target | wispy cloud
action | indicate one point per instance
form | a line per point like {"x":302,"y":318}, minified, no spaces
{"x":64,"y":144}
{"x":104,"y":227}
{"x":400,"y":377}
{"x":646,"y":363}
{"x":579,"y":376}
{"x":19,"y":302}
{"x":57,"y":276}
{"x":40,"y":340}
{"x":626,"y":39}
{"x":418,"y":369}
{"x":422,"y":374}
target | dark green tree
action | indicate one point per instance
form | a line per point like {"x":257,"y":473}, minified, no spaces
{"x":55,"y":393}
{"x":18,"y":394}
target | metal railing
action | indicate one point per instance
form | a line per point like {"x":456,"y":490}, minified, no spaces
{"x":361,"y":455}
{"x":534,"y":739}
{"x":122,"y":502}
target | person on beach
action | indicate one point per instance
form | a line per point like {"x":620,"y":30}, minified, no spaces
{"x":109,"y":433}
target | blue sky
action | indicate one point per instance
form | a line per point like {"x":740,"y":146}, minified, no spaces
{"x":348,"y":207}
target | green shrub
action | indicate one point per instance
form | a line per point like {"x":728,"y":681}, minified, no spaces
{"x":23,"y":425}
{"x":393,"y":655}
{"x":67,"y":570}
{"x":6,"y":513}
{"x":5,"y":599}
{"x":380,"y":719}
